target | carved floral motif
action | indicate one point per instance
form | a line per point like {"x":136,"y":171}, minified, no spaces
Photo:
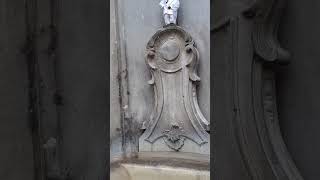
{"x":173,"y":137}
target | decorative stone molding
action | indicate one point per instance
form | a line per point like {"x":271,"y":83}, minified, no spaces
{"x":245,"y":53}
{"x":267,"y":16}
{"x":172,"y":58}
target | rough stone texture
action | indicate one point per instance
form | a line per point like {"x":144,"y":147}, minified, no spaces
{"x":16,"y":154}
{"x":162,"y":165}
{"x":143,"y":172}
{"x":115,"y":118}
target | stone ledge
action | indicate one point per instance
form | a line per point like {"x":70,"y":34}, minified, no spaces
{"x":162,"y":166}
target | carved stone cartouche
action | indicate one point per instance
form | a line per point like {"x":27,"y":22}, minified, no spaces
{"x":172,"y":58}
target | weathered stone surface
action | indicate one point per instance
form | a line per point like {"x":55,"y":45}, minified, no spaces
{"x":159,"y":166}
{"x":142,"y":172}
{"x":115,"y":116}
{"x":136,"y":24}
{"x":173,"y":58}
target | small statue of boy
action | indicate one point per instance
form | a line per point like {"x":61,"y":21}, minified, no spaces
{"x":170,"y":10}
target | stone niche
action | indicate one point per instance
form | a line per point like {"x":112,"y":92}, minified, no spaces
{"x":176,"y":122}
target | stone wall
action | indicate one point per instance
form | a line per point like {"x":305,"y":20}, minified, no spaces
{"x":137,"y":23}
{"x":16,"y":152}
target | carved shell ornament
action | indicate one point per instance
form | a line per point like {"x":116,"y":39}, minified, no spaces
{"x":172,"y":58}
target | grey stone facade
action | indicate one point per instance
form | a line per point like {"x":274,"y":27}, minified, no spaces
{"x":132,"y":25}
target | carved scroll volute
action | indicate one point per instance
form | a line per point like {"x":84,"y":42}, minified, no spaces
{"x":172,"y":58}
{"x":266,"y":15}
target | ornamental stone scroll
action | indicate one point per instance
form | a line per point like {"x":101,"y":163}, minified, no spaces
{"x":176,"y":123}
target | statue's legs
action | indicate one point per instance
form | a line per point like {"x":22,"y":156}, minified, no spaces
{"x":172,"y":19}
{"x":167,"y":19}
